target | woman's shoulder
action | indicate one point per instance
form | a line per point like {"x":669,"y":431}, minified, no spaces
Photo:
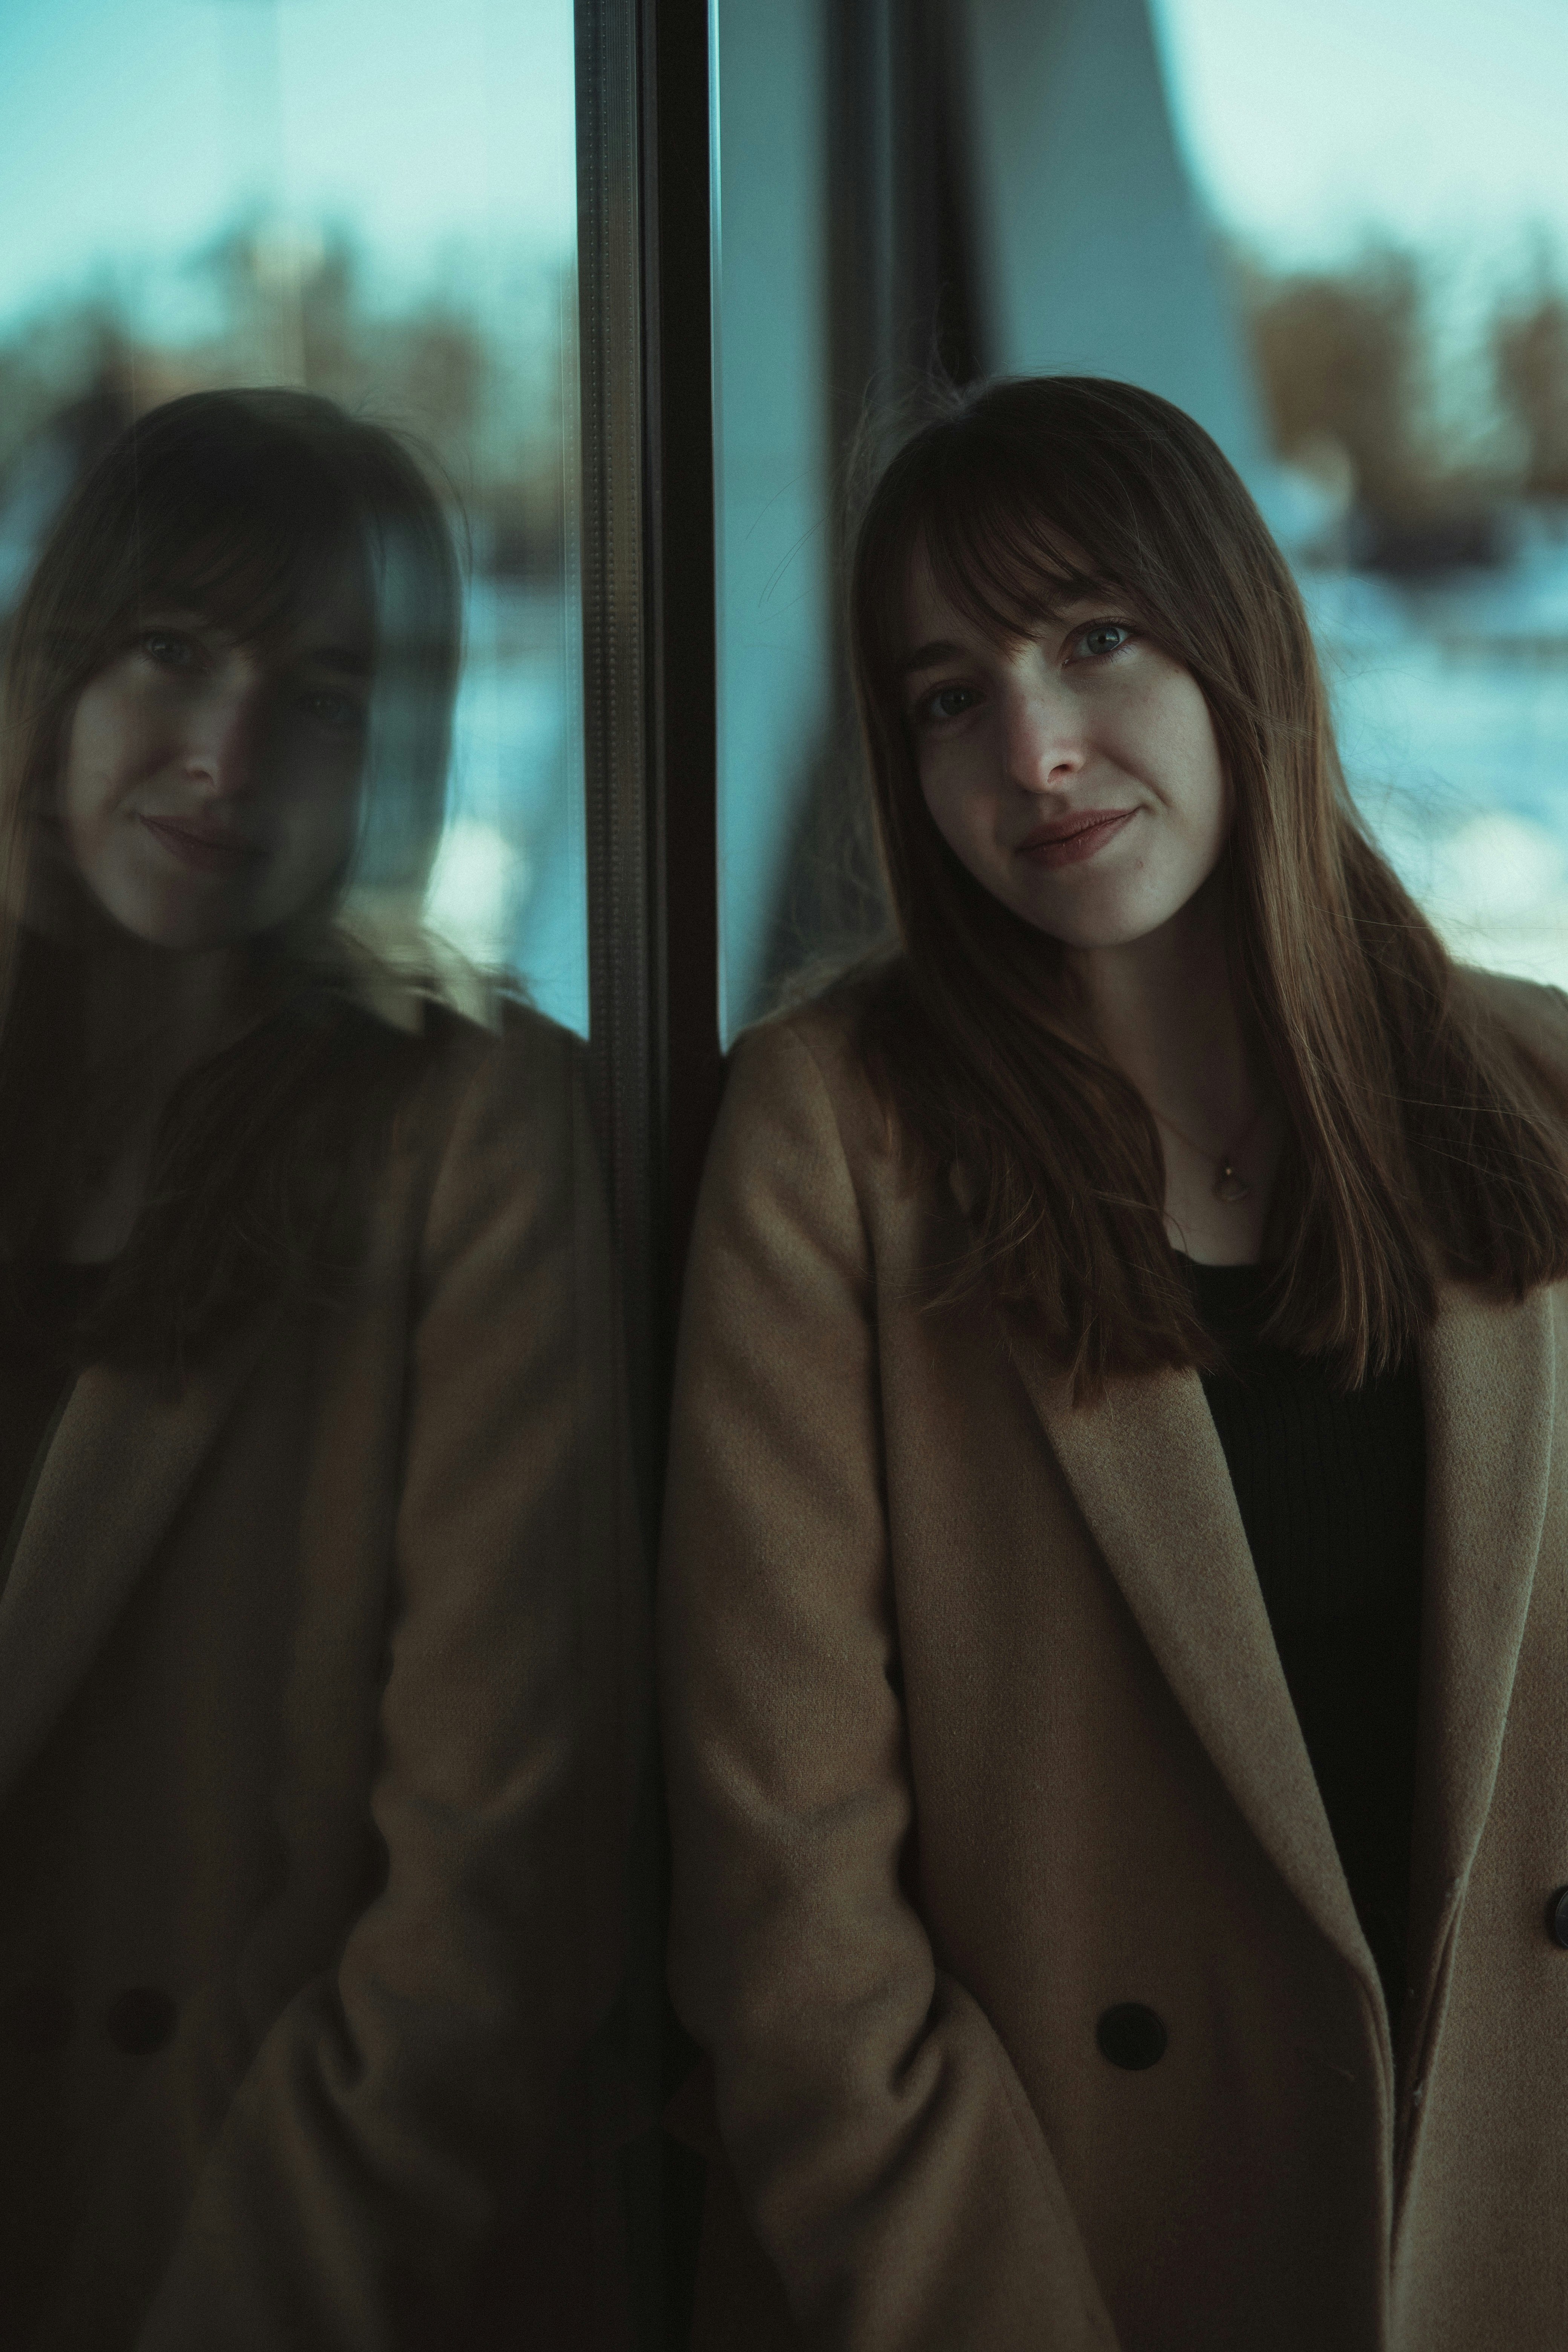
{"x":515,"y":1080}
{"x":462,"y":1022}
{"x":494,"y":1148}
{"x":486,"y":1107}
{"x":815,"y":1057}
{"x":513,"y":1047}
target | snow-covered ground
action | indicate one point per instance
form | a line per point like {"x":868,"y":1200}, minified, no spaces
{"x":1452,"y":708}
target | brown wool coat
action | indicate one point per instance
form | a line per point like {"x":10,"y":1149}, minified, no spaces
{"x":317,"y":1719}
{"x":975,"y":1729}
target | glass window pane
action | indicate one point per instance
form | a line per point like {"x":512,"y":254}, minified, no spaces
{"x":375,"y":200}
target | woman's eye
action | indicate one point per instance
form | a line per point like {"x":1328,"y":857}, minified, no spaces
{"x":948,"y":702}
{"x":167,"y":647}
{"x":339,"y":714}
{"x":1103,"y":637}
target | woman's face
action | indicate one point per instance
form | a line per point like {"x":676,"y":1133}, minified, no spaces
{"x":1075,"y":774}
{"x":210,"y":785}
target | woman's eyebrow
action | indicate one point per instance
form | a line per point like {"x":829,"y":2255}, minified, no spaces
{"x":1073,"y":589}
{"x":930,"y":657}
{"x":151,"y":613}
{"x":352,"y":661}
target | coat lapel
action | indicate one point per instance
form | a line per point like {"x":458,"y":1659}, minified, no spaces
{"x":1489,"y":1378}
{"x":120,"y":1462}
{"x":1149,"y":1472}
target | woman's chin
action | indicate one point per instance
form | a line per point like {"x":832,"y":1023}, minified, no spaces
{"x":173,"y":930}
{"x":1100,"y":920}
{"x":1089,"y":930}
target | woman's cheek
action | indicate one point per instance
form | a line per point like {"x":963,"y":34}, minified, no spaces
{"x":948,"y":803}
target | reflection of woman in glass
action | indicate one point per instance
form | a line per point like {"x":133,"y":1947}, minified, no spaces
{"x":1117,"y":1567}
{"x":316,"y":1615}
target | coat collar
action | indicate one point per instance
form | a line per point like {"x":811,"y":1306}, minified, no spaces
{"x":1488,"y":1381}
{"x":1149,"y":1472}
{"x":122,"y":1457}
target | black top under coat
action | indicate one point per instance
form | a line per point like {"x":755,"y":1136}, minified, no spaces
{"x":1331,"y":1491}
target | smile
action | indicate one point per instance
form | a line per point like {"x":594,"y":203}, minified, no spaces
{"x":202,"y":847}
{"x":1074,"y":839}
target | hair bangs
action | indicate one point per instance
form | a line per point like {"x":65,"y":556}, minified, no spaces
{"x":1005,"y":561}
{"x":1007,"y":564}
{"x":242,"y":544}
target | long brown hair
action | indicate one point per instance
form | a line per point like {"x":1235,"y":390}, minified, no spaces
{"x":1424,"y":1135}
{"x":233,"y":505}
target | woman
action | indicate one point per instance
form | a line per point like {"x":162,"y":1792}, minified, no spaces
{"x":1115,"y":1607}
{"x":319,"y":1626}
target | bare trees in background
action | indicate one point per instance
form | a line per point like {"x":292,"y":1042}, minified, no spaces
{"x":1530,"y":348}
{"x":483,"y":383}
{"x":1352,"y":373}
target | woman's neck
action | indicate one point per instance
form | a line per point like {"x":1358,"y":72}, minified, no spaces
{"x":1165,"y":1011}
{"x":155,"y":1014}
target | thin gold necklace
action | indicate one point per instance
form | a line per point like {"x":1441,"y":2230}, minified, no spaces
{"x":1227,"y":1185}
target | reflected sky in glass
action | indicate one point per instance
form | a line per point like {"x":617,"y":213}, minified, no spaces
{"x":128,"y":133}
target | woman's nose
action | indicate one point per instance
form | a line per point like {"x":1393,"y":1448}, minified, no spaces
{"x":224,"y":746}
{"x":1045,"y":736}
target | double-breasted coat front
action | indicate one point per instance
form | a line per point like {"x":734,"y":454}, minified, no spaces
{"x":317,"y":1721}
{"x":976,"y":1731}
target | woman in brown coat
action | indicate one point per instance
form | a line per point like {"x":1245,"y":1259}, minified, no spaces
{"x":1115,"y":1596}
{"x":319,"y":1620}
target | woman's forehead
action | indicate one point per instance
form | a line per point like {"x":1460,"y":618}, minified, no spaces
{"x":268,"y":596}
{"x":1003,"y":602}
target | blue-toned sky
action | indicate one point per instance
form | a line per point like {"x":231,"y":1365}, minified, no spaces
{"x":1309,"y":121}
{"x":130,"y":130}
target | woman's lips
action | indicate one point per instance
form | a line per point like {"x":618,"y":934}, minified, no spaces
{"x":1070,"y":848}
{"x":194,"y":846}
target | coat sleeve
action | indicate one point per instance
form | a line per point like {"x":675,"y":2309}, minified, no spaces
{"x":886,"y":2154}
{"x":399,"y":2101}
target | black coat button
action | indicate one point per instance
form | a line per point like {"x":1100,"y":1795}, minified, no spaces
{"x":1557,"y":1917}
{"x":1131,"y":2035}
{"x":140,"y":2020}
{"x":36,"y":2017}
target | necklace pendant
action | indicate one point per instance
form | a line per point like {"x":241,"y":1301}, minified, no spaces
{"x":1227,"y":1185}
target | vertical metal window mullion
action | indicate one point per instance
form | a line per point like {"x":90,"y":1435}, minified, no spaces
{"x":644,"y":262}
{"x":624,"y":999}
{"x":681,"y":199}
{"x":623,"y":996}
{"x":645,"y":248}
